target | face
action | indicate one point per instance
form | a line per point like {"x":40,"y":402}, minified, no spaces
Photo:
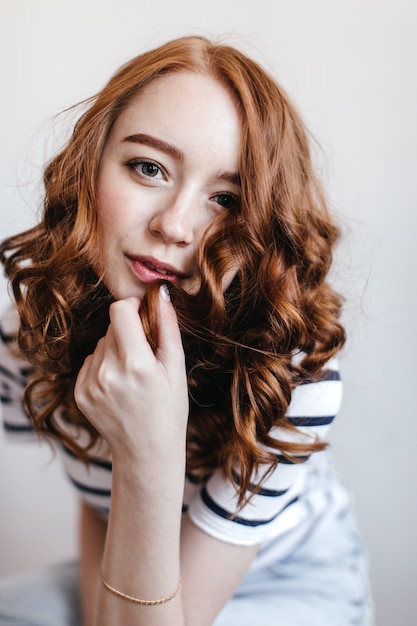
{"x":169,"y":167}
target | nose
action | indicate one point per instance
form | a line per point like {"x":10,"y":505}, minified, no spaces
{"x":175,"y":220}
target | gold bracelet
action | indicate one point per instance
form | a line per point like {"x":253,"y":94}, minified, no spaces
{"x":137,"y":600}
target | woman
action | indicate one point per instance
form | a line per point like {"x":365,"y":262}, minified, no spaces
{"x":174,"y":307}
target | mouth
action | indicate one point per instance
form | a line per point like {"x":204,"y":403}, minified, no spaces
{"x":160,"y":270}
{"x":148,"y":269}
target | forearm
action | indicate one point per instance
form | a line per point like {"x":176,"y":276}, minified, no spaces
{"x":92,"y":539}
{"x":138,"y":401}
{"x":142,"y":550}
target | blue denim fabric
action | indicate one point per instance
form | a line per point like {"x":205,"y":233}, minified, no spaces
{"x":324,"y":582}
{"x":48,"y":597}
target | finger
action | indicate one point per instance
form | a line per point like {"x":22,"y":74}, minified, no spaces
{"x":126,"y":328}
{"x":170,"y":348}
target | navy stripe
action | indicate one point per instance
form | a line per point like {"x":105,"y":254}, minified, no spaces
{"x":268,"y":493}
{"x":297,"y":460}
{"x":324,"y":376}
{"x":323,"y":420}
{"x":260,"y":491}
{"x":94,"y":490}
{"x":26,"y":371}
{"x":290,"y":503}
{"x":5,"y":337}
{"x":91,"y":461}
{"x":17,"y":428}
{"x":218,"y":510}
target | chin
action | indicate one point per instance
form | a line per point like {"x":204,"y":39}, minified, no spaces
{"x":120,"y":292}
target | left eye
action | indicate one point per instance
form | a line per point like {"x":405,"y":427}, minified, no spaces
{"x":147,"y":168}
{"x":226,"y":200}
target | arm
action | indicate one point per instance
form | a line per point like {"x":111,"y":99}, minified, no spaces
{"x":138,"y":400}
{"x":203,"y":561}
{"x":92,"y":537}
{"x":210,"y":569}
{"x":211,"y":572}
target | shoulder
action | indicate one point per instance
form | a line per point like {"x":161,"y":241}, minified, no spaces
{"x":278,"y":502}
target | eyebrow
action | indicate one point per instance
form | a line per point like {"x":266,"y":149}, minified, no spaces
{"x":159,"y":144}
{"x":231,"y":177}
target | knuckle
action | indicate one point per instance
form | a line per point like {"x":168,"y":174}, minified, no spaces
{"x":105,"y":379}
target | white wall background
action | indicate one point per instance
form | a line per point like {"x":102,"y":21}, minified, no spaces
{"x":351,"y":67}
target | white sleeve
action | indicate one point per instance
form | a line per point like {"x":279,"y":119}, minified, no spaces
{"x":279,"y":505}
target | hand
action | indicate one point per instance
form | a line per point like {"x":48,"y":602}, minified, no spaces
{"x":137,"y":399}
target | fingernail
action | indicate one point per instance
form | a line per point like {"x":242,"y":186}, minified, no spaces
{"x":164,"y":291}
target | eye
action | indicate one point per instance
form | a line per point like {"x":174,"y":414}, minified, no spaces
{"x":145,"y":168}
{"x":149,"y":169}
{"x":226,"y":200}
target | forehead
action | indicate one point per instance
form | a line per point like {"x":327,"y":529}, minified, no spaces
{"x":186,"y":109}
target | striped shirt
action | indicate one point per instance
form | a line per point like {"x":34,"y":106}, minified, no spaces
{"x":278,"y":516}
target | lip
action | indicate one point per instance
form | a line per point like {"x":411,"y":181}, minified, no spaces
{"x":148,"y":269}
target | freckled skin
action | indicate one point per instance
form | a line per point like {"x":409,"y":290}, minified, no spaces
{"x":165,"y":174}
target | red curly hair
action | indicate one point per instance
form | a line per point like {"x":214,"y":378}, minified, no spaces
{"x":239,"y":343}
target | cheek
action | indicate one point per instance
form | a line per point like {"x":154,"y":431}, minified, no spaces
{"x":113,"y":211}
{"x":105,"y":202}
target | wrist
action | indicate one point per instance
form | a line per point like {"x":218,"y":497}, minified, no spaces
{"x":150,"y":478}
